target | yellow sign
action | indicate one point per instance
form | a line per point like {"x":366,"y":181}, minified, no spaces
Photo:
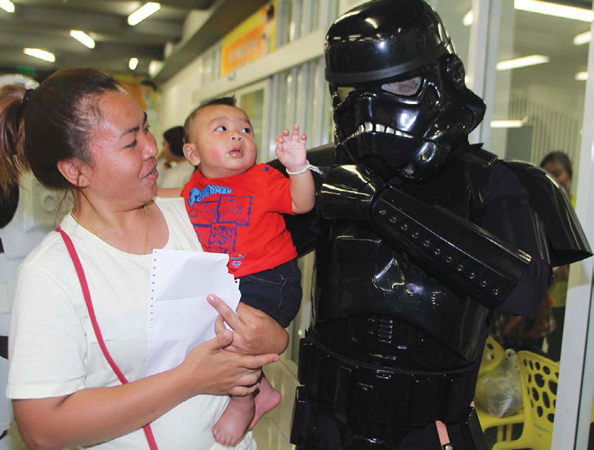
{"x":251,"y":40}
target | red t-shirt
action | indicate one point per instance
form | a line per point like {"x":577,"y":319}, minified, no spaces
{"x":241,"y":216}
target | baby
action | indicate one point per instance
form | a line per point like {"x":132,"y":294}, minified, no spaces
{"x":236,"y":207}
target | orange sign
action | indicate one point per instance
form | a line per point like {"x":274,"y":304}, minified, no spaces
{"x":251,"y":40}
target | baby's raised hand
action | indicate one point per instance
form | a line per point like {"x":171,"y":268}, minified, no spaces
{"x":290,"y":149}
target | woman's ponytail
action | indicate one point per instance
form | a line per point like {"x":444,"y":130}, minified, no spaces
{"x":12,"y":138}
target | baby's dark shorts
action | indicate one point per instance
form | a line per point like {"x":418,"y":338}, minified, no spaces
{"x":276,"y":291}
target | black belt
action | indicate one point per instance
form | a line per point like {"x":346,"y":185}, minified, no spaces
{"x":364,"y":393}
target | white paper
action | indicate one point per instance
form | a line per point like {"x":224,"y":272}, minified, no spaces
{"x":179,"y":316}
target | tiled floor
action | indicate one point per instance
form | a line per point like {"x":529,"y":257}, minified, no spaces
{"x":272,"y":432}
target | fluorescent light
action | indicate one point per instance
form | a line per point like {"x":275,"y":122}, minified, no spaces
{"x":581,"y":76}
{"x":554,"y":9}
{"x":507,"y":123}
{"x":7,"y":6}
{"x":468,"y":18}
{"x":133,"y":63}
{"x":582,"y":38}
{"x":143,"y":12}
{"x":525,"y":61}
{"x":41,"y":54}
{"x":154,"y":67}
{"x":83,"y":38}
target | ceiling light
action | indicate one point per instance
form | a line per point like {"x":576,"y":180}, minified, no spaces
{"x":7,"y":6}
{"x":553,"y":9}
{"x":582,"y":38}
{"x":507,"y":123}
{"x":143,"y":12}
{"x":41,"y":54}
{"x":83,"y":38}
{"x":581,"y":76}
{"x":155,"y":67}
{"x":468,"y":18}
{"x":133,"y":63}
{"x":525,"y":61}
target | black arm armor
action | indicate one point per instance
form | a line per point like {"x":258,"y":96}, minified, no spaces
{"x":467,"y":258}
{"x":473,"y":261}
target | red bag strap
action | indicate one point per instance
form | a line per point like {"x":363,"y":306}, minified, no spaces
{"x":87,"y":295}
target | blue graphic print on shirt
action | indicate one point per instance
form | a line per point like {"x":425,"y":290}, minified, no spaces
{"x":221,"y":217}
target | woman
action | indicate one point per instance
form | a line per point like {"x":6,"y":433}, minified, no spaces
{"x":80,"y":131}
{"x":558,"y":165}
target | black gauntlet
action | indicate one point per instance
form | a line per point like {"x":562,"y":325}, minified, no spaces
{"x":465,"y":257}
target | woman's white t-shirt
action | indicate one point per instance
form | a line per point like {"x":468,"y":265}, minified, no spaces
{"x":53,"y":349}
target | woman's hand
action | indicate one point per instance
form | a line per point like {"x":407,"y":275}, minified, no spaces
{"x":254,"y":332}
{"x":93,"y":415}
{"x":209,"y":369}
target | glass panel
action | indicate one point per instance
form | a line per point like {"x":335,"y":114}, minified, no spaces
{"x":253,"y":105}
{"x":457,"y":17}
{"x":537,"y":109}
{"x":283,"y":29}
{"x":314,"y":17}
{"x":295,"y":28}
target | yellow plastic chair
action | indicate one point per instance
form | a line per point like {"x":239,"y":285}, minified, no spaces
{"x":493,"y":356}
{"x":540,"y":377}
{"x":504,"y":424}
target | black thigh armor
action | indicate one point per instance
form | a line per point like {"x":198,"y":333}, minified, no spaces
{"x":407,"y":275}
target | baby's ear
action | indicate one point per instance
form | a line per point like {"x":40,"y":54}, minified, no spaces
{"x":191,"y":154}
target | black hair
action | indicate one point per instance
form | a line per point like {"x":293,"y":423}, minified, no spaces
{"x":175,"y":138}
{"x":52,"y":123}
{"x":558,"y":157}
{"x":150,"y":84}
{"x":229,"y":101}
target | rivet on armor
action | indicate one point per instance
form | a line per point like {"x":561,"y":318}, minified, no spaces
{"x":383,"y":212}
{"x":427,"y":243}
{"x":415,"y":235}
{"x":393,"y":219}
{"x":460,"y":267}
{"x":404,"y":227}
{"x":484,"y":283}
{"x":496,"y":291}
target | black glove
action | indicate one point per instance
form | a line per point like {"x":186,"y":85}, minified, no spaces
{"x":348,"y":191}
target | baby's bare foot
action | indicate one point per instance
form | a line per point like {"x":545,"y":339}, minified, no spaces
{"x":266,"y":399}
{"x":234,"y":422}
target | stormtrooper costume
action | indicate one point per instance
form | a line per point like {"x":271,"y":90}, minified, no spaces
{"x":419,"y":236}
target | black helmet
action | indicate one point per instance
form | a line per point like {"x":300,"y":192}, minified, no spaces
{"x":399,"y":97}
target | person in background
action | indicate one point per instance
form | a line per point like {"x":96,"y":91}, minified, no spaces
{"x":80,"y":131}
{"x":176,"y":170}
{"x":558,"y":165}
{"x":547,"y":320}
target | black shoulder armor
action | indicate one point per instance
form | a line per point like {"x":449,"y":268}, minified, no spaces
{"x":567,"y":241}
